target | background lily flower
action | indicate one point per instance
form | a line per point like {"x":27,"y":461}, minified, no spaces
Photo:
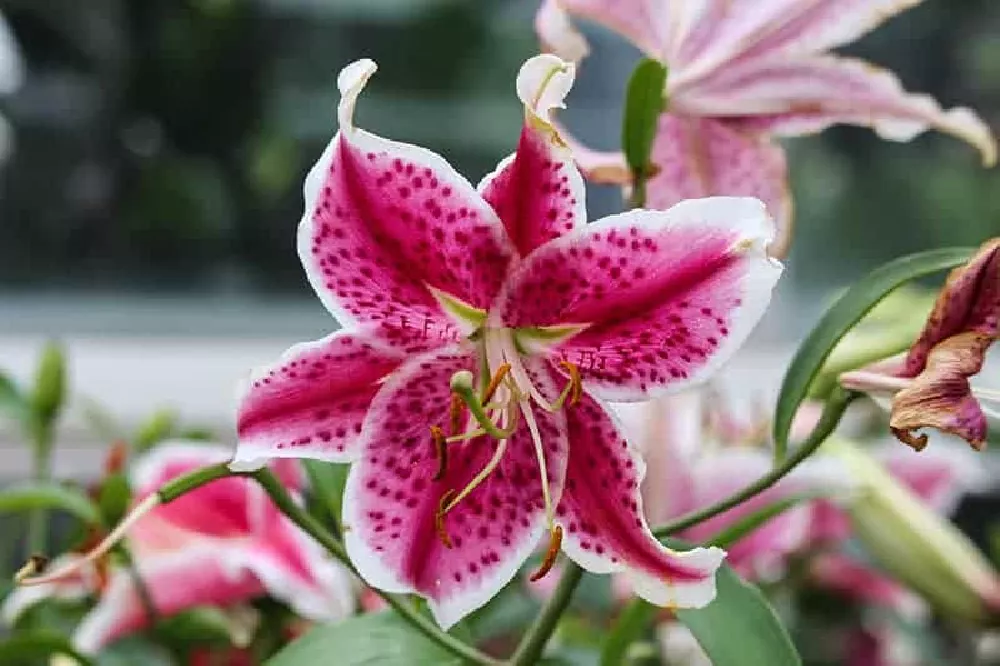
{"x":930,"y":386}
{"x":742,"y":71}
{"x":499,"y":303}
{"x":221,"y":545}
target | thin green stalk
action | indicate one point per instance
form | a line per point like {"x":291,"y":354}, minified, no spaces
{"x":38,"y":519}
{"x":529,"y":651}
{"x":832,"y":413}
{"x":145,"y":596}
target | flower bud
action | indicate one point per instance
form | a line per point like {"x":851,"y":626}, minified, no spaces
{"x":50,"y":384}
{"x":917,"y":546}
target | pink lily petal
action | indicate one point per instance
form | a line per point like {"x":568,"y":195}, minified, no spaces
{"x":311,"y":403}
{"x":969,"y":301}
{"x":941,"y":397}
{"x":176,"y":581}
{"x":235,"y":514}
{"x":390,"y":228}
{"x":726,"y":32}
{"x":645,"y":23}
{"x":660,"y":298}
{"x":391,"y":501}
{"x":604,"y":527}
{"x":940,"y":476}
{"x":538,"y":192}
{"x":847,"y":576}
{"x":808,"y":95}
{"x":700,"y":157}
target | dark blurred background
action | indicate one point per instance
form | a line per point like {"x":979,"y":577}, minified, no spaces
{"x":161,"y":144}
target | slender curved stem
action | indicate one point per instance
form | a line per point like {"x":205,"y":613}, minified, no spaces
{"x":530,"y":649}
{"x":833,"y":411}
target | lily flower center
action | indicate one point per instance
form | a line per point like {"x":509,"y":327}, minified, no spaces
{"x":506,"y":395}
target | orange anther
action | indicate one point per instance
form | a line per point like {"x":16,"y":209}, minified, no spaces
{"x":456,"y":410}
{"x":439,"y":518}
{"x":576,"y":385}
{"x":440,"y":450}
{"x":114,"y":461}
{"x":555,"y":543}
{"x":495,"y":382}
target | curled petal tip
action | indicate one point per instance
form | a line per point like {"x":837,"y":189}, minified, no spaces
{"x":351,"y":81}
{"x":543,"y":83}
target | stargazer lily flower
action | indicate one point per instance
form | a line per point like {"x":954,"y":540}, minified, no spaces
{"x":221,"y":545}
{"x":742,"y":71}
{"x":930,"y":385}
{"x":483,"y":326}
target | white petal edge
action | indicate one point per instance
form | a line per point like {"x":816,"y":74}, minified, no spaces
{"x":755,"y":231}
{"x":659,"y":592}
{"x":543,"y":83}
{"x":351,"y":81}
{"x":556,"y":32}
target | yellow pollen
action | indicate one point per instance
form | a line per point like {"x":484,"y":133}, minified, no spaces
{"x":455,"y":413}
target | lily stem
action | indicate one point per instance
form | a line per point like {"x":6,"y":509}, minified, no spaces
{"x":530,"y":649}
{"x":38,"y":520}
{"x":298,"y":515}
{"x":834,"y":409}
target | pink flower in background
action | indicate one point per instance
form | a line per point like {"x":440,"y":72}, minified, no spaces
{"x":499,"y":302}
{"x":743,"y":71}
{"x":221,"y":545}
{"x":691,"y":466}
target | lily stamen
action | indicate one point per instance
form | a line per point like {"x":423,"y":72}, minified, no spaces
{"x":555,"y":543}
{"x":440,"y":451}
{"x":479,"y":478}
{"x":461,"y":386}
{"x":494,"y":384}
{"x":102,"y":548}
{"x":455,"y":413}
{"x":439,"y":526}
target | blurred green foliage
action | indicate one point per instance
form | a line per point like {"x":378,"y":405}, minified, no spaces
{"x":162,"y":143}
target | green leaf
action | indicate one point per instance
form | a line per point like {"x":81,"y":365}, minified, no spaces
{"x":155,"y":429}
{"x":740,"y":628}
{"x":114,"y":498}
{"x":27,"y":648}
{"x":326,"y":481}
{"x":840,"y":319}
{"x":13,"y":404}
{"x":27,"y":496}
{"x":644,"y":102}
{"x":204,"y":625}
{"x":382,"y":638}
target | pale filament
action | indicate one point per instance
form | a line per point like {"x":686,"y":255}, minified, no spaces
{"x":862,"y":380}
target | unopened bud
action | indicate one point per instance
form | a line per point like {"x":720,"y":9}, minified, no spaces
{"x":914,"y":544}
{"x":50,"y":383}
